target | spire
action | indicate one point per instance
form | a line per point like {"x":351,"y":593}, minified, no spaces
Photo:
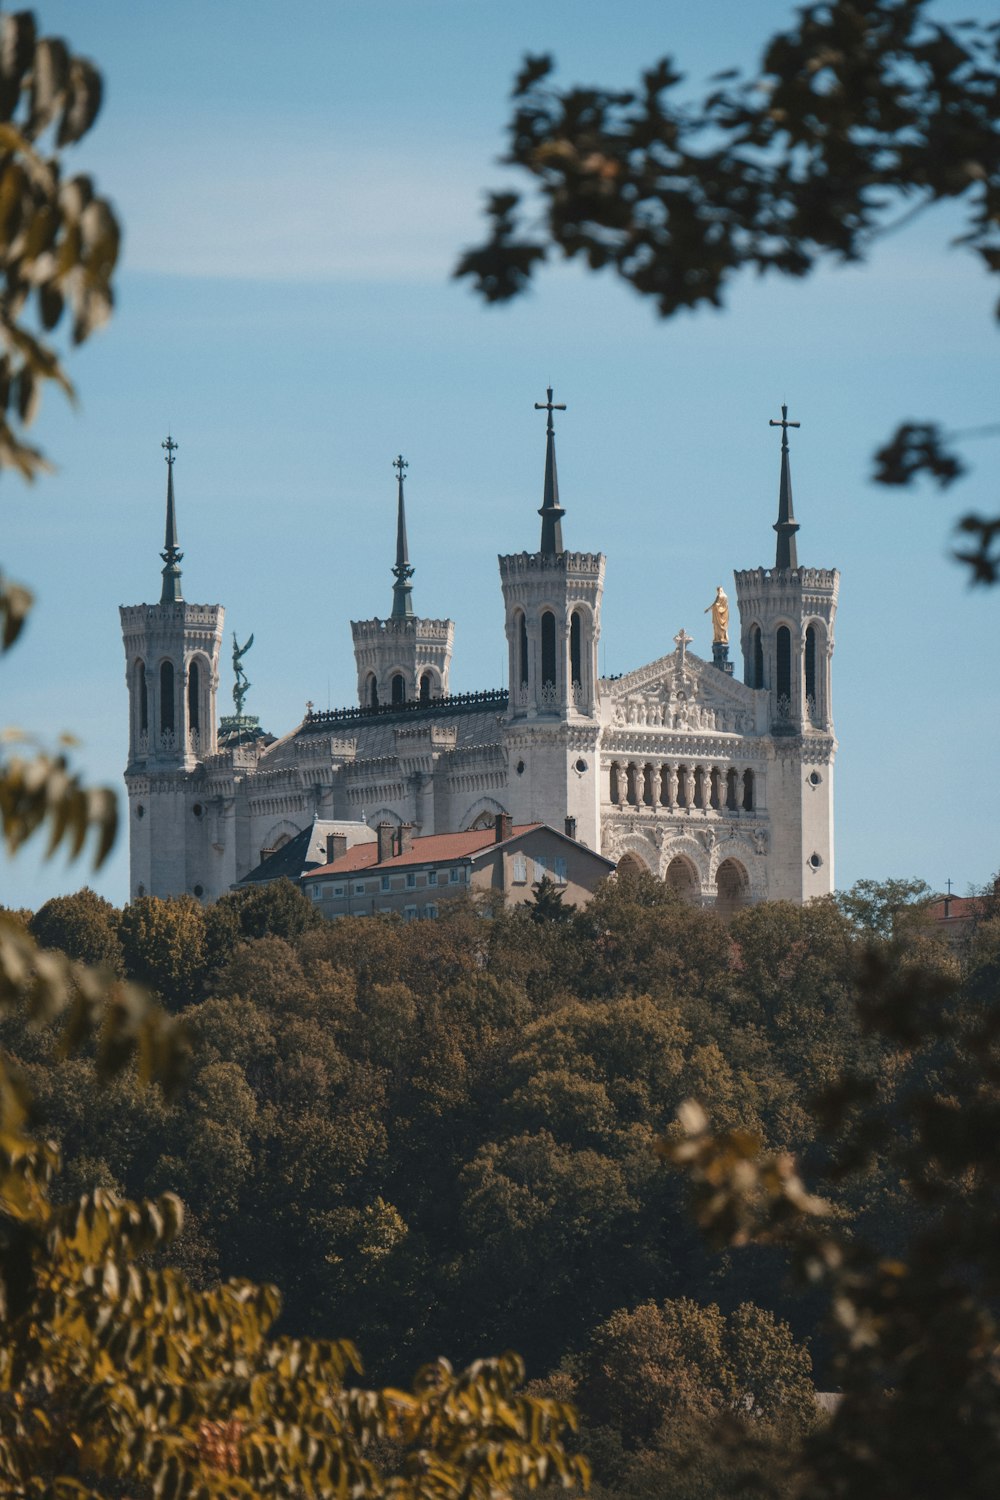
{"x":786,"y":525}
{"x":551,"y":511}
{"x":402,"y":604}
{"x":171,"y":591}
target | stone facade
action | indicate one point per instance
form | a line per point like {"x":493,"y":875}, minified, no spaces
{"x":722,"y":787}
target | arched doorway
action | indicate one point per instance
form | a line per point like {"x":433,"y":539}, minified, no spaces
{"x":682,"y":877}
{"x":631,"y":867}
{"x":732,"y":887}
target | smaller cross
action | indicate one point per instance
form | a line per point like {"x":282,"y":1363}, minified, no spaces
{"x":399,"y":464}
{"x":784,"y":424}
{"x":948,"y":884}
{"x":682,"y":641}
{"x":171,"y":448}
{"x":550,"y":406}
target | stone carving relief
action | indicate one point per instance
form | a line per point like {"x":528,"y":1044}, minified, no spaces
{"x":662,"y":706}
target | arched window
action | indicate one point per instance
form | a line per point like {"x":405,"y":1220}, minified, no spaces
{"x":522,"y":648}
{"x":783,"y":648}
{"x":425,"y":687}
{"x":142,"y":694}
{"x":748,"y":791}
{"x":548,"y":649}
{"x":371,"y":691}
{"x":811,"y":663}
{"x":732,"y":887}
{"x":166,"y":697}
{"x":756,"y":658}
{"x":681,"y":877}
{"x":576,"y":675}
{"x":398,"y":688}
{"x":194,"y":710}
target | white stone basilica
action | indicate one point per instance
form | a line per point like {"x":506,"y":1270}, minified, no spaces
{"x":724,"y":788}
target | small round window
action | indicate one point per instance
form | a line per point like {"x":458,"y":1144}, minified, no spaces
{"x":815,"y":860}
{"x":140,"y":811}
{"x":197,"y":809}
{"x":199,"y":891}
{"x":581,"y":765}
{"x":815,"y":778}
{"x":520,"y":768}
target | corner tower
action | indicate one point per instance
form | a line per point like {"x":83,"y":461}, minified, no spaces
{"x":172,"y":674}
{"x":787,"y":616}
{"x":403,"y":658}
{"x":552,"y":608}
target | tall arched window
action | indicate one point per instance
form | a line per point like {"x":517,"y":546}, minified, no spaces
{"x":166,"y":697}
{"x":371,"y":691}
{"x":575,"y":655}
{"x":811,"y":663}
{"x":748,"y":790}
{"x":398,"y":688}
{"x":783,"y":651}
{"x":194,"y":710}
{"x":756,"y":663}
{"x":522,"y":649}
{"x":142,"y":694}
{"x":548,"y":649}
{"x":425,"y":687}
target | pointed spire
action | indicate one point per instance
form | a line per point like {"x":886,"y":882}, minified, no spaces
{"x":786,"y":525}
{"x":402,"y":604}
{"x":171,"y":591}
{"x":551,"y":511}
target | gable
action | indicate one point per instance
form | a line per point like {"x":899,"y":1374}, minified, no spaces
{"x":683,"y":692}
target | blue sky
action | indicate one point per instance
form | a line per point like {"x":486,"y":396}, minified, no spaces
{"x":296,"y":183}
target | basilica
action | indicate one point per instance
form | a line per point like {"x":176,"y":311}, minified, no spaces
{"x":719,"y":783}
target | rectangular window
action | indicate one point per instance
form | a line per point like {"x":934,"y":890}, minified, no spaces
{"x":541,"y":866}
{"x":409,"y":913}
{"x":359,"y":887}
{"x":314,"y":892}
{"x":454,"y":876}
{"x":411,"y":880}
{"x":560,"y":868}
{"x":339,"y":890}
{"x":520,"y":870}
{"x":431,"y":910}
{"x":386,"y":883}
{"x":432,"y":877}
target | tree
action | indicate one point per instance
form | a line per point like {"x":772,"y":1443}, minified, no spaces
{"x":864,"y":113}
{"x":163,"y":942}
{"x":83,"y":926}
{"x":885,"y":908}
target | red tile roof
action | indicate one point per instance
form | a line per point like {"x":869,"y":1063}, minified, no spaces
{"x":431,"y":849}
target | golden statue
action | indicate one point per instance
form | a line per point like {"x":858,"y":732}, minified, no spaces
{"x":719,"y":610}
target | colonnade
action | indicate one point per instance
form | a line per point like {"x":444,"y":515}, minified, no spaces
{"x":682,"y":786}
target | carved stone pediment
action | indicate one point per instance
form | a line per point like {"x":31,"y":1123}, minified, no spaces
{"x":682,"y":692}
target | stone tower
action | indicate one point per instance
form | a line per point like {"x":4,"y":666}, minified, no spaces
{"x":172,"y":673}
{"x":552,"y":608}
{"x":403,"y":659}
{"x":787,"y":617}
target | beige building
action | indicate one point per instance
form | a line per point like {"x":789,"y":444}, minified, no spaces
{"x":720,"y":783}
{"x":414,"y":876}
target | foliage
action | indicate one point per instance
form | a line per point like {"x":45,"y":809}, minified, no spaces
{"x":84,"y":926}
{"x":547,"y":903}
{"x":915,"y":1324}
{"x":880,"y":908}
{"x":164,"y":946}
{"x":112,"y":1372}
{"x":861,"y":109}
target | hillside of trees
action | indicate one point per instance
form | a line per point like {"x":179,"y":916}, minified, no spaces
{"x":439,"y":1138}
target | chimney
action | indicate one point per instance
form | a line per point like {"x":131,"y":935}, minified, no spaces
{"x":570,"y":827}
{"x":405,"y":838}
{"x":504,"y":827}
{"x":336,"y":846}
{"x":386,"y":841}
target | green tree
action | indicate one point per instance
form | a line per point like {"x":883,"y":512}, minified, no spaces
{"x":884,"y":908}
{"x":83,"y":926}
{"x":863,"y":113}
{"x":163,"y":942}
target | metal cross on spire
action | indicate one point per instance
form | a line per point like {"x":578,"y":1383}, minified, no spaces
{"x":786,"y":525}
{"x":682,"y":641}
{"x":171,"y":448}
{"x":550,"y":406}
{"x":551,"y":511}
